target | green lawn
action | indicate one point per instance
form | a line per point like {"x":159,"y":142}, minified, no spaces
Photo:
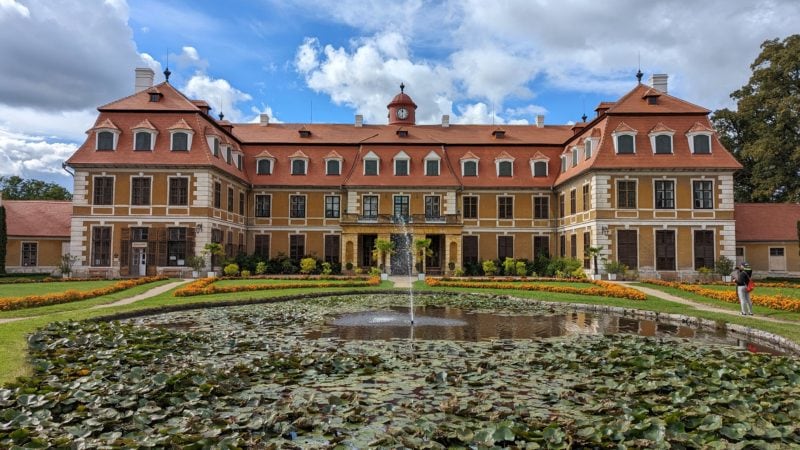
{"x":761,"y":290}
{"x":24,"y":289}
{"x":267,"y":281}
{"x":574,"y":284}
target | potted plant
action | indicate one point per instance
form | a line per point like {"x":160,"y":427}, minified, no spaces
{"x":594,"y":252}
{"x":349,"y":267}
{"x":213,"y":249}
{"x":383,"y":248}
{"x":614,"y":268}
{"x":197,"y":263}
{"x":724,"y":268}
{"x":65,"y":265}
{"x":452,"y":266}
{"x":423,"y":249}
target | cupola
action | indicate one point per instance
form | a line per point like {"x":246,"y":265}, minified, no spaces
{"x":402,"y":109}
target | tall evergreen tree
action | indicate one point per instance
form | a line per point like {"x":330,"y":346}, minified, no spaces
{"x":764,"y":130}
{"x":16,"y":188}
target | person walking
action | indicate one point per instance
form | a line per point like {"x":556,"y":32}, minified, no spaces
{"x":742,"y":279}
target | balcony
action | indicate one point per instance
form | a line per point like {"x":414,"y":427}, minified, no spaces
{"x":413,"y":219}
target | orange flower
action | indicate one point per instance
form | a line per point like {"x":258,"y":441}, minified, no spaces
{"x":602,"y":288}
{"x":780,"y":302}
{"x":206,"y":286}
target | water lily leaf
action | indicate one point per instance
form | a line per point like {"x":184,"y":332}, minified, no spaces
{"x":711,"y":423}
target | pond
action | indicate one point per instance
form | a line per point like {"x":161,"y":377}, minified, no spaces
{"x":259,"y":377}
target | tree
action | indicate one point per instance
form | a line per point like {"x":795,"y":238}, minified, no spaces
{"x":16,"y":188}
{"x":763,"y":133}
{"x":423,"y":248}
{"x":383,"y":248}
{"x":3,"y":239}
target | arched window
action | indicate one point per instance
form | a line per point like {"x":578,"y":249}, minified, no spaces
{"x":505,"y":169}
{"x":143,"y":140}
{"x":625,"y":144}
{"x":105,"y":140}
{"x":264,"y":167}
{"x":540,"y":168}
{"x":702,"y":144}
{"x":180,"y":141}
{"x":298,"y":167}
{"x":663,"y":144}
{"x":469,"y":168}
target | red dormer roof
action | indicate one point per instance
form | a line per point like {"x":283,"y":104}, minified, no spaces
{"x":699,"y":128}
{"x":469,"y":155}
{"x":624,"y":128}
{"x":265,"y":154}
{"x":143,"y":125}
{"x":333,"y":154}
{"x":105,"y":125}
{"x":180,"y":125}
{"x":298,"y":154}
{"x":661,"y":128}
{"x":504,"y":155}
{"x":171,"y":100}
{"x":635,"y":102}
{"x":539,"y":156}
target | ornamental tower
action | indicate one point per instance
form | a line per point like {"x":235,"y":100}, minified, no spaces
{"x":402,"y":110}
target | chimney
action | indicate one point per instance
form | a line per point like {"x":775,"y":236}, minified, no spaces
{"x":659,"y":81}
{"x":446,"y":121}
{"x":539,"y":121}
{"x":144,"y":78}
{"x":359,"y":120}
{"x":263,"y":119}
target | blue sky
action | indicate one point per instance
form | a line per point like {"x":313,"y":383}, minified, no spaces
{"x":478,"y":61}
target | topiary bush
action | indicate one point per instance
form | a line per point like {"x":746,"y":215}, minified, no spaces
{"x":489,"y":268}
{"x":308,"y":265}
{"x":509,"y":267}
{"x":231,"y":270}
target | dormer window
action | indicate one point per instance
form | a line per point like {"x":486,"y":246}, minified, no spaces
{"x":539,"y":168}
{"x":624,"y":139}
{"x":155,"y":97}
{"x":264,"y":166}
{"x":563,"y":163}
{"x":371,"y":161}
{"x":401,"y":164}
{"x":143,"y":141}
{"x":107,"y":140}
{"x":587,"y":148}
{"x":499,"y":134}
{"x":304,"y":133}
{"x":661,"y":139}
{"x":432,"y":164}
{"x":574,"y":156}
{"x":700,"y":144}
{"x":239,"y":161}
{"x":228,"y":155}
{"x":214,"y":145}
{"x":333,"y":167}
{"x":180,"y":141}
{"x":469,"y":168}
{"x":505,"y":168}
{"x":402,"y":133}
{"x":298,"y":166}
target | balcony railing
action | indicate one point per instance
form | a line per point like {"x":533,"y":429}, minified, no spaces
{"x":413,"y":219}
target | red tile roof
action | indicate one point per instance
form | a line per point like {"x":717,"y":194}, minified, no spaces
{"x":635,"y":102}
{"x":766,"y":221}
{"x":37,"y":218}
{"x":171,"y":100}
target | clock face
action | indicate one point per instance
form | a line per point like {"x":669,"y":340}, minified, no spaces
{"x":402,"y":113}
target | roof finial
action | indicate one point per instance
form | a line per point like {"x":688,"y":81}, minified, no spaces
{"x":583,"y":117}
{"x":167,"y":73}
{"x":402,"y":86}
{"x":639,"y":73}
{"x":221,"y":116}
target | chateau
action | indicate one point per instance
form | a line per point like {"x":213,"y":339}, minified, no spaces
{"x":646,"y":180}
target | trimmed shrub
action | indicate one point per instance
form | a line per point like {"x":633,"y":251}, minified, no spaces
{"x":261,"y":268}
{"x":522,"y":268}
{"x":231,"y":270}
{"x":489,"y":268}
{"x":308,"y":265}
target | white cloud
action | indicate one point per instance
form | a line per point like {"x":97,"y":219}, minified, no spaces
{"x":31,"y":156}
{"x":265,"y":109}
{"x":218,"y":93}
{"x":481,"y":113}
{"x":12,"y":7}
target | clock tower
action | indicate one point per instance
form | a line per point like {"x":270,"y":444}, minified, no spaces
{"x":402,"y":110}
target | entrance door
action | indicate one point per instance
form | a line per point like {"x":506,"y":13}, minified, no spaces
{"x":433,"y":264}
{"x":139,"y":262}
{"x":703,"y":249}
{"x":628,"y":248}
{"x":665,"y":250}
{"x":366,"y":245}
{"x":777,"y":259}
{"x":401,"y":258}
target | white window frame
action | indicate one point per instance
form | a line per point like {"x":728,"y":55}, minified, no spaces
{"x":130,"y":192}
{"x":563,"y":163}
{"x":338,"y":160}
{"x":433,"y":156}
{"x":617,"y":134}
{"x":188,"y":191}
{"x":674,"y":194}
{"x":271,"y":165}
{"x":255,"y":206}
{"x":546,"y":167}
{"x":291,"y":165}
{"x":325,"y":206}
{"x":371,"y":156}
{"x":305,"y":207}
{"x":22,"y":253}
{"x":714,"y":199}
{"x":497,"y":163}
{"x":116,"y":134}
{"x":588,"y":148}
{"x":212,"y":141}
{"x":401,"y":156}
{"x":189,"y":136}
{"x":153,"y":135}
{"x":377,"y":204}
{"x":708,"y":134}
{"x":653,"y":136}
{"x":574,"y":156}
{"x":463,"y":166}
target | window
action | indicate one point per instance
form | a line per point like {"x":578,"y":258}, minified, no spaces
{"x":370,"y":208}
{"x":370,"y":167}
{"x":625,"y":144}
{"x":562,"y":246}
{"x":573,"y":201}
{"x":505,"y":169}
{"x":264,"y":167}
{"x":628,"y":248}
{"x":469,"y":250}
{"x":263,"y":205}
{"x":297,"y":206}
{"x":573,"y":246}
{"x":561,"y":206}
{"x":228,"y":155}
{"x":216,"y":147}
{"x":665,"y":250}
{"x":262,"y":246}
{"x":239,"y":161}
{"x":574,"y":157}
{"x":470,"y":206}
{"x":241,"y":203}
{"x":703,"y":249}
{"x":432,"y":167}
{"x":105,"y":140}
{"x":432,"y":203}
{"x":139,"y":234}
{"x":155,"y":97}
{"x":776,"y":251}
{"x":218,"y":195}
{"x":140,"y":191}
{"x":143,"y":141}
{"x":401,"y":167}
{"x":333,"y":167}
{"x":703,"y":194}
{"x":179,"y":191}
{"x":540,"y":168}
{"x":101,"y":246}
{"x":401,"y":206}
{"x":586,"y":197}
{"x":541,"y":207}
{"x":297,"y":246}
{"x":180,"y":141}
{"x":505,"y":207}
{"x":626,"y":194}
{"x":229,"y":245}
{"x":541,"y":246}
{"x":29,"y":254}
{"x":663,"y":144}
{"x":587,"y":149}
{"x":587,"y":242}
{"x":332,"y":206}
{"x":505,"y":247}
{"x":563,"y":164}
{"x":332,"y":248}
{"x":230,"y":199}
{"x":701,"y":144}
{"x":176,"y":246}
{"x":665,"y":194}
{"x":103,"y":190}
{"x":469,"y":168}
{"x":298,"y":167}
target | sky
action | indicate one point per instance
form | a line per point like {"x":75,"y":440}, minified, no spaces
{"x":324,"y":61}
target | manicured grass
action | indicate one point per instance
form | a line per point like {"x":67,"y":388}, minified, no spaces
{"x":574,"y":284}
{"x":761,"y":290}
{"x":24,"y":289}
{"x":267,"y":281}
{"x":758,"y":310}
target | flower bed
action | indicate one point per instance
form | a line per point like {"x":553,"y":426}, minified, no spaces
{"x":206,"y":286}
{"x":599,"y":288}
{"x":29,"y":301}
{"x":780,"y":302}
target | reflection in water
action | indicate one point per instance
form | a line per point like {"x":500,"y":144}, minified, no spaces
{"x":435,"y":323}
